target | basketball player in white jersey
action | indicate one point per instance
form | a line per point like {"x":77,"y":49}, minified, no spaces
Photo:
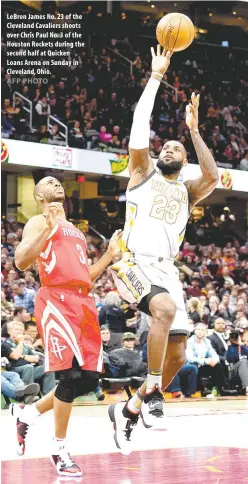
{"x":158,"y":207}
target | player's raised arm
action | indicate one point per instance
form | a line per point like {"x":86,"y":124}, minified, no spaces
{"x":140,"y":132}
{"x":34,"y":236}
{"x":204,"y":185}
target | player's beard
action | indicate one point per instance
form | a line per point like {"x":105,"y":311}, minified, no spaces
{"x":52,"y":197}
{"x":169,"y":168}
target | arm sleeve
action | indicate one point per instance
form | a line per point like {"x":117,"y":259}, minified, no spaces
{"x":140,"y":132}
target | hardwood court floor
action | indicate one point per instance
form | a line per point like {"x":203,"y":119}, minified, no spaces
{"x":204,"y":442}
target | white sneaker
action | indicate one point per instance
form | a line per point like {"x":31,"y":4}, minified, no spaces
{"x":65,"y":465}
{"x":152,"y":413}
{"x":123,"y":421}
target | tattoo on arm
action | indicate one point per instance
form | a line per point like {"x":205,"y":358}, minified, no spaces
{"x":205,"y":158}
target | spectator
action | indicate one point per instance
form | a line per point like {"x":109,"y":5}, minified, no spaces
{"x":219,"y":342}
{"x":43,"y":110}
{"x":244,"y":162}
{"x":13,"y":387}
{"x":214,"y":311}
{"x":113,"y":316}
{"x":24,"y":297}
{"x":21,"y":315}
{"x":134,"y":363}
{"x":31,"y":330}
{"x":22,"y":359}
{"x":185,"y":382}
{"x":194,"y":290}
{"x":106,"y":336}
{"x":195,"y":311}
{"x":237,"y":356}
{"x":200,"y":352}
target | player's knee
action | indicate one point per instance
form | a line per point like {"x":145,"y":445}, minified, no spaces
{"x":66,"y":388}
{"x":164,"y":312}
{"x":88,"y":383}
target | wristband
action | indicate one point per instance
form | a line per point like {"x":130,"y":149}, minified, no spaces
{"x":158,"y":74}
{"x":194,"y":131}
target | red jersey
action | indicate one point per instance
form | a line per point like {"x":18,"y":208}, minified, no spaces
{"x":63,"y":260}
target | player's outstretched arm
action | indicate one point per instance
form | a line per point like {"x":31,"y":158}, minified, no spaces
{"x":139,"y":158}
{"x":112,"y":251}
{"x":204,"y":185}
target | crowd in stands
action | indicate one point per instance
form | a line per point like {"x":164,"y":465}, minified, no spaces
{"x":215,"y":287}
{"x":96,"y":101}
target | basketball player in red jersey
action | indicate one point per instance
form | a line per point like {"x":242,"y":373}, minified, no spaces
{"x":65,"y":313}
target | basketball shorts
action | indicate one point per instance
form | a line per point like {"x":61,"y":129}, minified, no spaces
{"x":139,"y":278}
{"x":67,"y":322}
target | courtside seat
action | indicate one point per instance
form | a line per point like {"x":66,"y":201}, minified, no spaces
{"x":136,"y":381}
{"x":115,"y":383}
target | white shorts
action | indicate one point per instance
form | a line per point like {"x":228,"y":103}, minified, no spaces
{"x":134,"y":277}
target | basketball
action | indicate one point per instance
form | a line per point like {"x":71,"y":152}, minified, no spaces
{"x":175,"y":31}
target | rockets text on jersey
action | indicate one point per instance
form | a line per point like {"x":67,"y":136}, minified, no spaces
{"x":63,"y":260}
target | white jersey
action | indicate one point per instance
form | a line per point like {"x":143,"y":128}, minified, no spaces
{"x":157,"y":211}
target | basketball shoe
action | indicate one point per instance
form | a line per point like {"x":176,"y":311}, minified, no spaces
{"x":64,"y":464}
{"x":21,"y":427}
{"x":25,"y":416}
{"x":152,"y":413}
{"x":123,"y":421}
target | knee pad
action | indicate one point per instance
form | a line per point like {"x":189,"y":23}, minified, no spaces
{"x":88,"y":383}
{"x":66,"y":388}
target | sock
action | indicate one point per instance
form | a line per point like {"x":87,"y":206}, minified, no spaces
{"x":135,"y":402}
{"x":57,"y":445}
{"x":29,"y":414}
{"x":153,"y":378}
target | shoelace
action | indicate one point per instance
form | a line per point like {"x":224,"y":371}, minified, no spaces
{"x":22,"y":429}
{"x":129,"y":428}
{"x":66,"y":459}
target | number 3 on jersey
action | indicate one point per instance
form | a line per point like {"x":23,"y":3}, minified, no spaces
{"x":81,"y":254}
{"x":162,"y":209}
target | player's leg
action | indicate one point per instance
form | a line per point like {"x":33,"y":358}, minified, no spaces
{"x":175,"y":358}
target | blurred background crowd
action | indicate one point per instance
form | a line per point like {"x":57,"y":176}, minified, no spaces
{"x":215,"y":284}
{"x":95,"y":100}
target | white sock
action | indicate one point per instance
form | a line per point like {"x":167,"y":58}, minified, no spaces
{"x":29,"y":414}
{"x":134,"y":404}
{"x":57,"y":445}
{"x":153,"y":380}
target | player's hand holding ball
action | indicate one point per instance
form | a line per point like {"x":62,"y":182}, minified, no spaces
{"x":192,"y":112}
{"x":114,"y":244}
{"x":160,"y":62}
{"x":54,"y":210}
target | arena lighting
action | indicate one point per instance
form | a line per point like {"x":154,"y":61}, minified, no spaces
{"x":234,"y":13}
{"x":152,"y":6}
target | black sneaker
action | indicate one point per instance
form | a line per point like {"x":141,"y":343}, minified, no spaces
{"x":65,"y":465}
{"x":123,"y":421}
{"x":152,"y":408}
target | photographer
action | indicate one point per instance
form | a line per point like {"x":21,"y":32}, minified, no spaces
{"x":237,"y":356}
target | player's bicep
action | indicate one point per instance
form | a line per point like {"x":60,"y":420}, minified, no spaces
{"x":199,"y":189}
{"x":31,"y":229}
{"x":139,"y":159}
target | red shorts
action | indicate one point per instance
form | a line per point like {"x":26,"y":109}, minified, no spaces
{"x":68,"y":324}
